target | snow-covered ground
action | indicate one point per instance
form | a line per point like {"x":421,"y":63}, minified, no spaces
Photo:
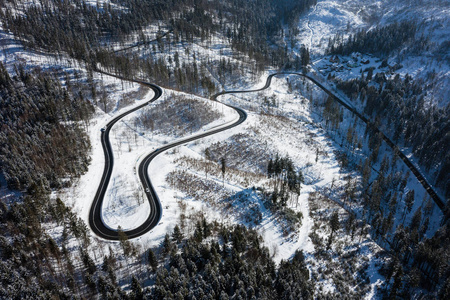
{"x":296,"y":136}
{"x":126,"y":204}
{"x":291,"y":129}
{"x":121,"y":205}
{"x":345,"y":17}
{"x":328,"y":18}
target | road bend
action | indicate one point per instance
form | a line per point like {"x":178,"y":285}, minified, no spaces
{"x":95,"y":218}
{"x":102,"y":230}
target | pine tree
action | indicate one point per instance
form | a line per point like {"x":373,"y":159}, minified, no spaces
{"x":198,"y":232}
{"x":88,"y":262}
{"x":167,"y":245}
{"x":270,"y":169}
{"x":396,"y":286}
{"x":126,"y":245}
{"x":152,"y":260}
{"x":206,"y":228}
{"x":305,"y":56}
{"x":409,"y":203}
{"x":136,"y":289}
{"x":207,"y":159}
{"x":416,"y":220}
{"x":334,"y":225}
{"x":177,"y":235}
{"x":223,"y":168}
{"x":366,"y":172}
{"x":298,"y":185}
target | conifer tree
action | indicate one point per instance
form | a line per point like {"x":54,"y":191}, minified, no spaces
{"x":334,"y":226}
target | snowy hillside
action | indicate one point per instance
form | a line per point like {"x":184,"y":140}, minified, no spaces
{"x":329,"y":18}
{"x":305,"y":199}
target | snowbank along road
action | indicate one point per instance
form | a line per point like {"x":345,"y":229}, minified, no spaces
{"x":95,"y":220}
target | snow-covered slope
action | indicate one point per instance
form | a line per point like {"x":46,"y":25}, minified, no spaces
{"x":331,"y":17}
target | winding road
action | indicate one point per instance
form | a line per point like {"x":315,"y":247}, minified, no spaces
{"x":95,"y":220}
{"x":429,"y":189}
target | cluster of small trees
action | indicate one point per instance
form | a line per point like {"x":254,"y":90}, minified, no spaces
{"x":287,"y":184}
{"x":244,"y":152}
{"x":286,"y":181}
{"x":340,"y":256}
{"x":332,"y":113}
{"x":382,"y":201}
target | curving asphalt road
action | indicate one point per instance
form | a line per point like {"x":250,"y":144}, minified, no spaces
{"x":95,"y":220}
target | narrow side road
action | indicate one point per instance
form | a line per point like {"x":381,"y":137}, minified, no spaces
{"x":141,"y":43}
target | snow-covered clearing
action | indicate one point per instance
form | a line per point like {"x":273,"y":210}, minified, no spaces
{"x":327,"y":19}
{"x":121,"y":205}
{"x":295,"y":136}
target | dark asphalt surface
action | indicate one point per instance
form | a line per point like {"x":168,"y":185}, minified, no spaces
{"x":388,"y":141}
{"x":95,"y":220}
